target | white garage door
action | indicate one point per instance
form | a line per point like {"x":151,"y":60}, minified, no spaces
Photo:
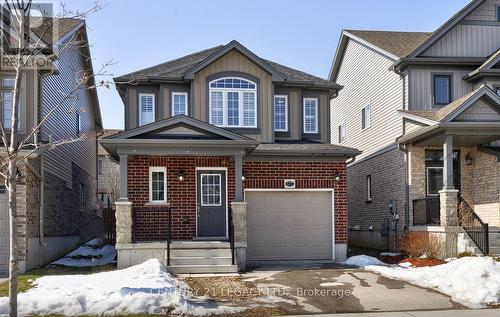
{"x":289,"y":225}
{"x":4,"y":234}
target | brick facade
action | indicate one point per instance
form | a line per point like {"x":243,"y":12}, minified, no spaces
{"x":150,"y":221}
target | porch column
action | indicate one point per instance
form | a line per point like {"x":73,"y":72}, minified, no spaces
{"x":449,"y":200}
{"x":238,"y":174}
{"x":448,"y":162}
{"x":123,"y":177}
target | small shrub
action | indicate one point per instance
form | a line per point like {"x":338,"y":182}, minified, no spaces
{"x":421,"y":244}
{"x":465,"y":254}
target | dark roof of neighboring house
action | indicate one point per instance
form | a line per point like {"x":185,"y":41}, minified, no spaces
{"x":304,"y":148}
{"x":177,"y":68}
{"x":62,"y":26}
{"x":105,"y":133}
{"x":400,"y":44}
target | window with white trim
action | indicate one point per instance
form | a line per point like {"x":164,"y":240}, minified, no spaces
{"x":158,"y":184}
{"x":233,"y":103}
{"x":7,"y":99}
{"x":281,"y":113}
{"x":342,"y":132}
{"x":146,"y":108}
{"x":366,"y":114}
{"x":310,"y":115}
{"x":179,"y":103}
{"x":79,"y":124}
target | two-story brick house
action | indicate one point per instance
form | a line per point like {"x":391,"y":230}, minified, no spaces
{"x":424,"y":109}
{"x":224,"y":130}
{"x":56,"y":188}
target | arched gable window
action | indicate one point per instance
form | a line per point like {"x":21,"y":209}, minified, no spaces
{"x":233,"y":102}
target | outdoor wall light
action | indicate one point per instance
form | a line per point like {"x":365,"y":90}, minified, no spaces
{"x":337,"y":176}
{"x":468,"y":159}
{"x":181,"y":177}
{"x":243,"y":178}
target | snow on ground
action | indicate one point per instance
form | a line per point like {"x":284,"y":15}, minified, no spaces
{"x":144,"y":288}
{"x":390,"y":254}
{"x":472,"y":281}
{"x":363,"y":260}
{"x":89,"y":254}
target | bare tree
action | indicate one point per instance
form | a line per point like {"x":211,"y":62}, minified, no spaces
{"x":22,"y":47}
{"x":113,"y":181}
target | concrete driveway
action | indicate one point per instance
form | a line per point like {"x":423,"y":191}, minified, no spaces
{"x":331,"y":288}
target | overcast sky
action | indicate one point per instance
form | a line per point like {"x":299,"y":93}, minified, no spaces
{"x":300,"y":34}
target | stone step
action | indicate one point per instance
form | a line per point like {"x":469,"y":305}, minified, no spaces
{"x":200,"y":245}
{"x":197,"y":269}
{"x":205,"y":253}
{"x":200,"y":261}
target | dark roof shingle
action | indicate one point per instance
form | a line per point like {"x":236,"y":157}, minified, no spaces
{"x":400,"y":44}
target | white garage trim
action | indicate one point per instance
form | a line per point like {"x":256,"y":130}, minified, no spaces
{"x":331,"y":190}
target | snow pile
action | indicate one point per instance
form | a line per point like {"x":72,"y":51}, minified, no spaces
{"x":363,"y":260}
{"x":390,"y":254}
{"x":472,"y":281}
{"x":142,"y":289}
{"x":89,"y":255}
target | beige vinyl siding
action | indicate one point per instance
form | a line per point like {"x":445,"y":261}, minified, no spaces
{"x":485,"y":12}
{"x":480,"y":111}
{"x":367,"y":79}
{"x":421,"y":86}
{"x":62,"y":124}
{"x":467,"y":41}
{"x":411,"y":126}
{"x":234,"y":61}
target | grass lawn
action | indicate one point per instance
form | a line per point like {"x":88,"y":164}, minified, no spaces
{"x":25,"y":281}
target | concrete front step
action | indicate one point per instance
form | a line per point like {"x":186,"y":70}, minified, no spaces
{"x":200,"y":245}
{"x":206,"y":253}
{"x":198,"y":269}
{"x":201,"y":261}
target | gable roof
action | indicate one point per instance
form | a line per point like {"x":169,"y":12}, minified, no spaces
{"x":443,"y":29}
{"x":184,"y":68}
{"x":63,"y":26}
{"x":175,"y":121}
{"x":452,"y":110}
{"x":486,"y":68}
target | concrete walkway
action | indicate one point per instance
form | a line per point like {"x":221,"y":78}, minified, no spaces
{"x":428,"y":313}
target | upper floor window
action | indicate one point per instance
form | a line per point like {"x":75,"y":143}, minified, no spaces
{"x":342,"y":132}
{"x":310,"y":115}
{"x":233,"y":103}
{"x":281,"y":113}
{"x":79,"y":124}
{"x":498,"y":13}
{"x":100,"y":167}
{"x":179,"y":103}
{"x":146,"y":108}
{"x":7,"y":99}
{"x":442,"y":89}
{"x":366,"y":114}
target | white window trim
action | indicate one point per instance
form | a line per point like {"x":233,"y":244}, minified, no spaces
{"x":240,"y":92}
{"x":368,"y":118}
{"x":175,"y":93}
{"x":369,"y":187}
{"x":427,"y":179}
{"x":345,"y":132}
{"x":157,"y":169}
{"x":304,"y":116}
{"x":286,"y":113}
{"x":220,"y":193}
{"x":140,"y":106}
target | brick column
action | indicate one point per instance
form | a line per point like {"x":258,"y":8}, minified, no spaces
{"x":123,"y":222}
{"x":240,"y":232}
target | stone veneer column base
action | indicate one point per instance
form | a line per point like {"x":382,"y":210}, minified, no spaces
{"x":240,"y":233}
{"x":449,"y":220}
{"x":123,"y":222}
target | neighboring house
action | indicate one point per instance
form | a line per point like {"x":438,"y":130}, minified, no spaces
{"x":219,"y":130}
{"x":108,"y":173}
{"x":56,"y":189}
{"x":424,"y":109}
